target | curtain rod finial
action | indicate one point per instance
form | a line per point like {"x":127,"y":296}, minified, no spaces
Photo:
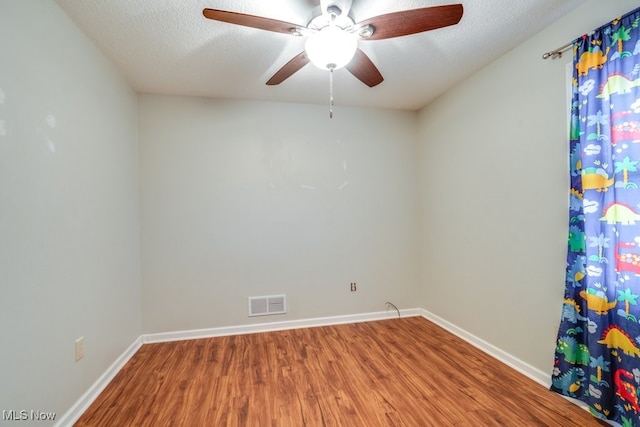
{"x":553,"y":55}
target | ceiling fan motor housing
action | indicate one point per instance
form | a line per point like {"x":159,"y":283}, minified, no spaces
{"x":343,"y":32}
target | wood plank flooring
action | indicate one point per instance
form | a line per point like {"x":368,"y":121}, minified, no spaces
{"x":396,"y":372}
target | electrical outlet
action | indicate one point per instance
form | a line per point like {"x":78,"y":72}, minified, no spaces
{"x":353,"y":287}
{"x":79,"y":348}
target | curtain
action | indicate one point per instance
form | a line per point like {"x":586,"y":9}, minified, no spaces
{"x":597,"y":357}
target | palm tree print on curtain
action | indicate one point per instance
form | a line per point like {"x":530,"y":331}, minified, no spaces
{"x":597,"y":358}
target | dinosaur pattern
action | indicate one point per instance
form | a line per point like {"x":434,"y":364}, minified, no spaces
{"x":576,"y":239}
{"x":615,"y":337}
{"x":620,"y":213}
{"x":596,"y":179}
{"x":574,"y":352}
{"x":576,"y":272}
{"x":598,"y":302}
{"x":625,"y":389}
{"x":571,"y":312}
{"x":569,"y":382}
{"x":575,"y":160}
{"x":617,"y":84}
{"x":597,"y":351}
{"x":591,"y":60}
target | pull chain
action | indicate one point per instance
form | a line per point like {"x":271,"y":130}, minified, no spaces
{"x":331,"y":93}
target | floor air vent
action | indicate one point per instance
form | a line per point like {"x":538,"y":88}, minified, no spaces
{"x":263,"y":306}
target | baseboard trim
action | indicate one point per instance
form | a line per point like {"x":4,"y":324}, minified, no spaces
{"x":501,"y":355}
{"x":74,"y":413}
{"x":276,"y":326}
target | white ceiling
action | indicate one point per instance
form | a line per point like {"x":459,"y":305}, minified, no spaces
{"x":168,"y":47}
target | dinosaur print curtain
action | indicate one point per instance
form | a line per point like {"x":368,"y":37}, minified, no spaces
{"x":597,"y":358}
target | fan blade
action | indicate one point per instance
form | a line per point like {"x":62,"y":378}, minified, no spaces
{"x":289,"y":68}
{"x":412,"y":21}
{"x":364,"y":70}
{"x":252,"y":21}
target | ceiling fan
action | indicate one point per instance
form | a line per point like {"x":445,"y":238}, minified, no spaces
{"x":332,"y":36}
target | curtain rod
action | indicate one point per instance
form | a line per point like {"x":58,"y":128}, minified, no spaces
{"x":557,"y":53}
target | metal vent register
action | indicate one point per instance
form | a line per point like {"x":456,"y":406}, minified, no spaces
{"x":264,"y":306}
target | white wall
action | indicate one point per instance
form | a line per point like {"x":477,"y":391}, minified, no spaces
{"x":69,"y":235}
{"x":244,"y":199}
{"x":493,"y":165}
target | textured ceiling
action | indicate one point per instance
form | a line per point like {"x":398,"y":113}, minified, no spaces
{"x":168,"y":47}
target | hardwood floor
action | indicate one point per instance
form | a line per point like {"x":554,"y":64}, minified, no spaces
{"x":397,"y":372}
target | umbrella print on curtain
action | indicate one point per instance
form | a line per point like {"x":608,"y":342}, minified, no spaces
{"x":597,"y":358}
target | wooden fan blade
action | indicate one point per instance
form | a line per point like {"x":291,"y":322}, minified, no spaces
{"x":364,"y":70}
{"x":289,"y":68}
{"x":252,"y":21}
{"x":413,"y":21}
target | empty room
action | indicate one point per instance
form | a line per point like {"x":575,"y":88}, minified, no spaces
{"x":204,"y":221}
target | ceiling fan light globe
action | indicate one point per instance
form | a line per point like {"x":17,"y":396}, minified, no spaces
{"x":330,"y":48}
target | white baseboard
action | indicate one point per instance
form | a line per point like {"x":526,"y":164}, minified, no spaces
{"x":276,"y":326}
{"x":524,"y":368}
{"x":506,"y":358}
{"x":74,"y":413}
